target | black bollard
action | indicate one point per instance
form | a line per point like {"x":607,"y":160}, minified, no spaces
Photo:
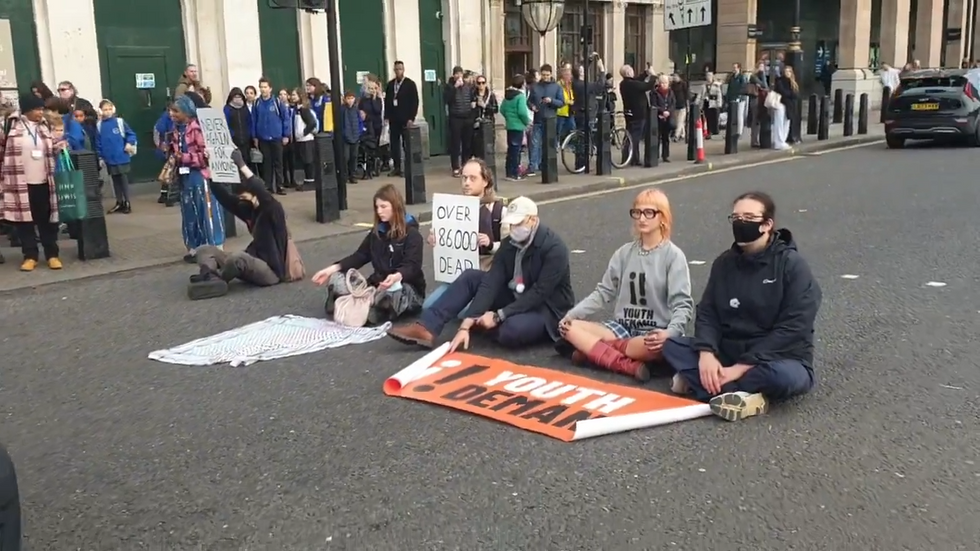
{"x":849,"y":115}
{"x":731,"y":129}
{"x":863,"y":114}
{"x":811,"y":115}
{"x":488,"y":137}
{"x":765,"y":125}
{"x":90,"y":232}
{"x":886,"y":97}
{"x":549,"y":153}
{"x":693,"y":112}
{"x":326,"y":185}
{"x":838,"y":106}
{"x":603,"y":155}
{"x":823,"y":128}
{"x":651,"y":139}
{"x":414,"y":166}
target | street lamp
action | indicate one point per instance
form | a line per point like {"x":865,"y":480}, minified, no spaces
{"x":542,"y":16}
{"x":795,"y":55}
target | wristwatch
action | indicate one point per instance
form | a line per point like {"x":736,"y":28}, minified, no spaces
{"x":496,"y":318}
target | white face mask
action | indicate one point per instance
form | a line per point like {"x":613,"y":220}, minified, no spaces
{"x":520,"y":233}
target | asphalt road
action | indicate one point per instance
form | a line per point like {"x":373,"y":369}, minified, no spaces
{"x":117,"y":452}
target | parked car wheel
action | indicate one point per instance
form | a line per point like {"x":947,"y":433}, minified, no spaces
{"x":895,"y":143}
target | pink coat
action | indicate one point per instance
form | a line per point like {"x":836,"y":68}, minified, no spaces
{"x":13,"y":186}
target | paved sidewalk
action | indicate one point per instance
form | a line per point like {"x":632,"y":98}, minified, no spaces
{"x":150,"y":236}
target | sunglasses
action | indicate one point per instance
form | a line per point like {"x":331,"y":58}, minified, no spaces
{"x":649,"y":214}
{"x":64,"y":89}
{"x":481,"y":82}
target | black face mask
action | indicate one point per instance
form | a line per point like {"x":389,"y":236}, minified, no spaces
{"x":746,"y":231}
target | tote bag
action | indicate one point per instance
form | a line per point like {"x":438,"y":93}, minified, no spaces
{"x":295,"y":269}
{"x":352,"y":310}
{"x":70,"y":187}
{"x":773,"y":100}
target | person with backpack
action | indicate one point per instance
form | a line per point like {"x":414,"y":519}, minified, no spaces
{"x":263,"y":263}
{"x":271,"y":129}
{"x":115,"y":144}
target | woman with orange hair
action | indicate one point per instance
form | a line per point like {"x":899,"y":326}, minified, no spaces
{"x":649,"y":282}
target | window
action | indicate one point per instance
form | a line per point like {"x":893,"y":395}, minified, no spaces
{"x":570,"y":27}
{"x":517,"y":33}
{"x":636,"y":36}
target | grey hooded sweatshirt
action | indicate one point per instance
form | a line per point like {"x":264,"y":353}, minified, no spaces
{"x":651,"y":290}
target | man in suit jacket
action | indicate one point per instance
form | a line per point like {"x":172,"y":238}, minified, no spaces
{"x":401,"y":108}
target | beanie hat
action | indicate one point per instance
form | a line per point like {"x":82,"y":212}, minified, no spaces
{"x":30,"y":102}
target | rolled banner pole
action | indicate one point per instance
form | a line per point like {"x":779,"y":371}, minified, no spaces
{"x":591,"y":428}
{"x":416,"y":370}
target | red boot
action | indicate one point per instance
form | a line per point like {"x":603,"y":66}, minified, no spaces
{"x":604,"y":355}
{"x":619,"y":345}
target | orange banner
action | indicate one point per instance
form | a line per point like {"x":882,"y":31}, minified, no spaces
{"x":538,"y":399}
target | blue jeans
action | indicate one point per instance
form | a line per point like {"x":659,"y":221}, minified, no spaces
{"x":515,"y":141}
{"x":440,"y":290}
{"x":565,"y":126}
{"x":534,"y":147}
{"x":516,"y":331}
{"x":777,"y":380}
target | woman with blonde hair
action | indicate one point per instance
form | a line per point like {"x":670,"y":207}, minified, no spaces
{"x":784,"y":113}
{"x":394,"y":248}
{"x":649,"y":283}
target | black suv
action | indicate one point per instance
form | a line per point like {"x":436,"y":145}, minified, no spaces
{"x":9,"y":504}
{"x":934,"y":104}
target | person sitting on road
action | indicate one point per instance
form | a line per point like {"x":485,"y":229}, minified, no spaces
{"x":478,"y":182}
{"x":649,"y":280}
{"x":263,"y":262}
{"x":754,"y":326}
{"x":523,"y":295}
{"x":394,"y":247}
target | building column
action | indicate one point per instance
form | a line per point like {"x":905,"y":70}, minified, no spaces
{"x":212,"y":33}
{"x":734,"y":45}
{"x":498,"y":45}
{"x":615,"y":18}
{"x":853,"y":75}
{"x":658,"y":45}
{"x":544,"y":49}
{"x":60,"y":23}
{"x":895,"y":20}
{"x":402,"y":41}
{"x":465,"y":35}
{"x":929,"y":33}
{"x":956,"y":50}
{"x":313,"y":52}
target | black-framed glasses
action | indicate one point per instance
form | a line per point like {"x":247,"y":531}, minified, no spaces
{"x":746,"y":217}
{"x":649,"y":214}
{"x":481,"y":82}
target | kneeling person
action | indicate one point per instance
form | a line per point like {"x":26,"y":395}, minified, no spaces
{"x":523,"y":295}
{"x":263,"y":262}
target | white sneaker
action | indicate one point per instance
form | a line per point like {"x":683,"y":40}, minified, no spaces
{"x":735,"y":406}
{"x":678,"y":385}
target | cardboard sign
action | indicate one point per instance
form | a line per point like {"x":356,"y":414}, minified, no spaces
{"x":456,"y":225}
{"x":217,"y":140}
{"x":562,"y":406}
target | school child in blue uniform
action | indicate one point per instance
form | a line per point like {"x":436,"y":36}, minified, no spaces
{"x":115,"y":143}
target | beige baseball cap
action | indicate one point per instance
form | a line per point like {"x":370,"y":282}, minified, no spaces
{"x":517,"y":210}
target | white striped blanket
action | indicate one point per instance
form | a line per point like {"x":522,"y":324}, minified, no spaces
{"x":271,"y":339}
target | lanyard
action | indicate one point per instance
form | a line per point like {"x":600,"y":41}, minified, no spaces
{"x":33,"y":135}
{"x":397,"y":87}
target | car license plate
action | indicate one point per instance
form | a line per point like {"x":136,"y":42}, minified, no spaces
{"x":925,"y":107}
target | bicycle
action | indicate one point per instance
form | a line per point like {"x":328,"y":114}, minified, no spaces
{"x":573,"y":146}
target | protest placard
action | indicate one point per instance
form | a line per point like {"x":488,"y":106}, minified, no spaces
{"x":456,"y":224}
{"x":217,"y":140}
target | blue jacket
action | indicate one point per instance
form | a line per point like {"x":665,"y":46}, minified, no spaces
{"x":351,"y":124}
{"x":270,"y":120}
{"x":109,"y":141}
{"x":74,"y":133}
{"x":318,"y":104}
{"x":542,"y":90}
{"x":161,"y":133}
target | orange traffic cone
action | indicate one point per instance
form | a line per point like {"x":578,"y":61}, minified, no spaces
{"x":699,"y":130}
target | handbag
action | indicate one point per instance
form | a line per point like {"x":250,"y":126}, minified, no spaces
{"x":352,"y":309}
{"x":773,"y":99}
{"x":255,"y":156}
{"x":169,"y":170}
{"x":295,"y":269}
{"x":70,"y":188}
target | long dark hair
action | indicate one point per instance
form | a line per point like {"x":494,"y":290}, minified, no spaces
{"x":319,"y":88}
{"x":42,"y":90}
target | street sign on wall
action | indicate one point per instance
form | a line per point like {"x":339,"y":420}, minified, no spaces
{"x":684,"y":14}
